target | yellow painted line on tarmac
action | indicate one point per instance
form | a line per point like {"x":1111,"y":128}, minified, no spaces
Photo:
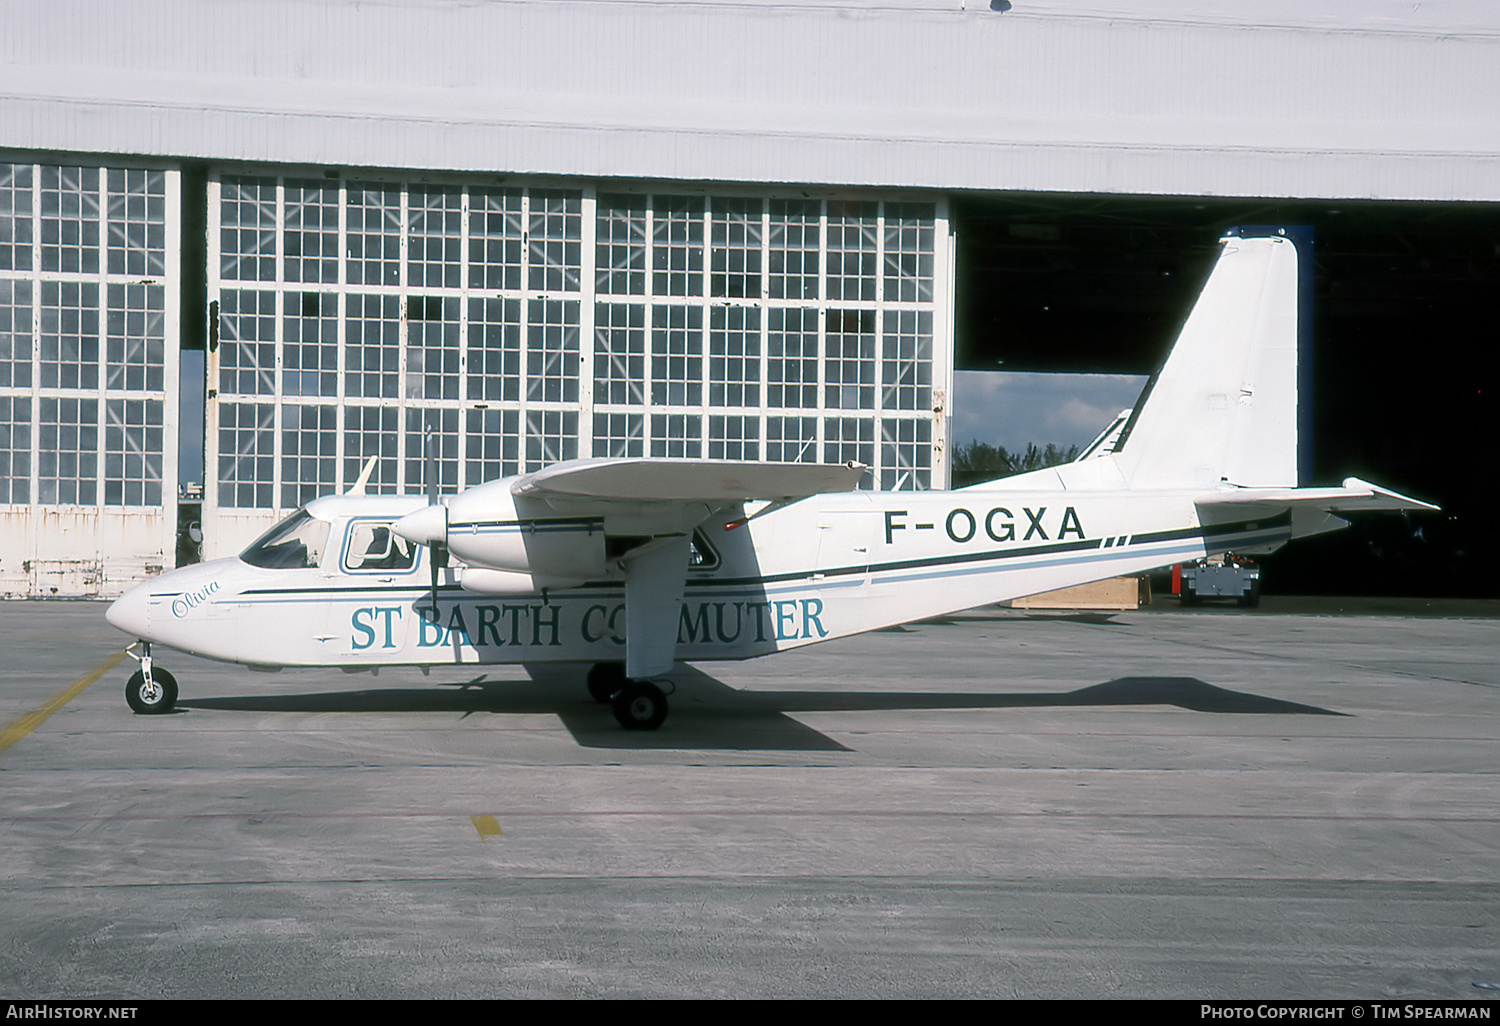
{"x":18,"y":729}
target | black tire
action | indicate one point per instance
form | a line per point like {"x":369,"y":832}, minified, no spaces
{"x":1251,"y":598}
{"x":1189,"y":597}
{"x":158,"y":699}
{"x":605,"y":680}
{"x":640,"y":705}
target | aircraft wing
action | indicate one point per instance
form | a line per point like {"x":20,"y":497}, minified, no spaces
{"x":680,"y":480}
{"x":1354,"y":496}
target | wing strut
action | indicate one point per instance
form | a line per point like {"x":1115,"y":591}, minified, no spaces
{"x":654,"y":582}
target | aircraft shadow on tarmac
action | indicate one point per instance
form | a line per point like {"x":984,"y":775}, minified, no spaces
{"x":708,"y":714}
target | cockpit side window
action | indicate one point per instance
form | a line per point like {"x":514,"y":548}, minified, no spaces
{"x":373,"y":546}
{"x":296,"y":542}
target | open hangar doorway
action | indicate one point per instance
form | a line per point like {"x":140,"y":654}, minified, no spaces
{"x":1404,"y":349}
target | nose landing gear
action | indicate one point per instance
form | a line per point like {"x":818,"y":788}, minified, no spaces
{"x":150,"y":690}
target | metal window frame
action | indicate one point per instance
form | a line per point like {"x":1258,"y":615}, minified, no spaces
{"x":235,"y":524}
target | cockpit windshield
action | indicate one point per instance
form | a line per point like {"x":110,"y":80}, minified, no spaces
{"x":297,"y":541}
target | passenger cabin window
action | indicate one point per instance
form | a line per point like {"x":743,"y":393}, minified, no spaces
{"x":296,"y":542}
{"x":701,"y":555}
{"x":373,"y":546}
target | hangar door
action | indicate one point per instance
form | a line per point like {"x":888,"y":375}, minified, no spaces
{"x":524,"y":325}
{"x":88,"y":376}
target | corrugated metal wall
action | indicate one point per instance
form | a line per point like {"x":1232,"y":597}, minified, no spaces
{"x":1380,"y":100}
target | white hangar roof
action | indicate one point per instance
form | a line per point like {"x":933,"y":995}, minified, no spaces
{"x":1388,"y":99}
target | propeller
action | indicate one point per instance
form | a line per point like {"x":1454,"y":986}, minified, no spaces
{"x":429,"y":526}
{"x":439,"y":546}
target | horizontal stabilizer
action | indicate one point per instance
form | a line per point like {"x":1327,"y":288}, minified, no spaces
{"x":1355,"y":495}
{"x":673,"y":480}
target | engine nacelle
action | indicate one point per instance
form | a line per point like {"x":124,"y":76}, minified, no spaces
{"x":483,"y":580}
{"x":490,"y":527}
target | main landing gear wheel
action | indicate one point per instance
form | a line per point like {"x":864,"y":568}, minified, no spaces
{"x":605,"y":679}
{"x":156,"y":696}
{"x":640,"y":705}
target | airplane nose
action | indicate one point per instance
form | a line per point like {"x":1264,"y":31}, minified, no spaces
{"x":129,"y":612}
{"x":425,"y":527}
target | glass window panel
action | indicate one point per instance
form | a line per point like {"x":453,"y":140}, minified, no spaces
{"x":132,"y":452}
{"x":432,"y":350}
{"x":495,"y":349}
{"x":678,"y":435}
{"x":371,"y":431}
{"x":372,"y":346}
{"x":850,"y":439}
{"x":135,"y":336}
{"x":247,"y":229}
{"x":792,"y":439}
{"x":906,"y":360}
{"x":492,"y":445}
{"x":497,"y":236}
{"x":15,"y":448}
{"x":905,"y":454}
{"x":309,"y":436}
{"x":849,"y":372}
{"x":70,"y":219}
{"x":551,"y":437}
{"x":909,"y":253}
{"x":734,"y":356}
{"x":443,"y":427}
{"x":247,"y":447}
{"x":15,"y":334}
{"x":555,"y":231}
{"x":735,"y":253}
{"x":69,"y":334}
{"x":619,"y":353}
{"x":15,"y":217}
{"x":311,"y":237}
{"x":619,"y":434}
{"x":552,"y":351}
{"x":436,"y":233}
{"x":733,"y":437}
{"x":792,"y":373}
{"x":620,"y":246}
{"x":68,"y":449}
{"x":372,"y":234}
{"x":677,"y":246}
{"x":247,"y":343}
{"x":309,"y":350}
{"x":793,"y":248}
{"x":852,"y":248}
{"x":136,"y":221}
{"x":677,"y":356}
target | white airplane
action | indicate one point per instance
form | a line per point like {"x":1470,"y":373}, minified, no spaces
{"x":632,"y":564}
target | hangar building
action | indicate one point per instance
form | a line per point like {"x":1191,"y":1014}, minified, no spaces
{"x":312,"y":232}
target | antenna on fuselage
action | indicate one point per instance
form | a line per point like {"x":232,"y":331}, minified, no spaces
{"x":437,"y":556}
{"x":358,"y":488}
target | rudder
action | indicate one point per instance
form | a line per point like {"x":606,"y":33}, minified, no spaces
{"x":1223,"y":407}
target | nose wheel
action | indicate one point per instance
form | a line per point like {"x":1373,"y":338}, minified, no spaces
{"x":150,"y":690}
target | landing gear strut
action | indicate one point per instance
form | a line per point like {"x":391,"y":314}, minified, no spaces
{"x":637,"y":704}
{"x":151,"y":689}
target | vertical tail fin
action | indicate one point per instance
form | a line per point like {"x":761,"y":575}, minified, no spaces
{"x":1223,"y":407}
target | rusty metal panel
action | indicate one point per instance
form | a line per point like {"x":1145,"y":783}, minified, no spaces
{"x":89,"y":287}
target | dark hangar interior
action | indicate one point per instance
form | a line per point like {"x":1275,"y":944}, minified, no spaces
{"x":1404,"y":349}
